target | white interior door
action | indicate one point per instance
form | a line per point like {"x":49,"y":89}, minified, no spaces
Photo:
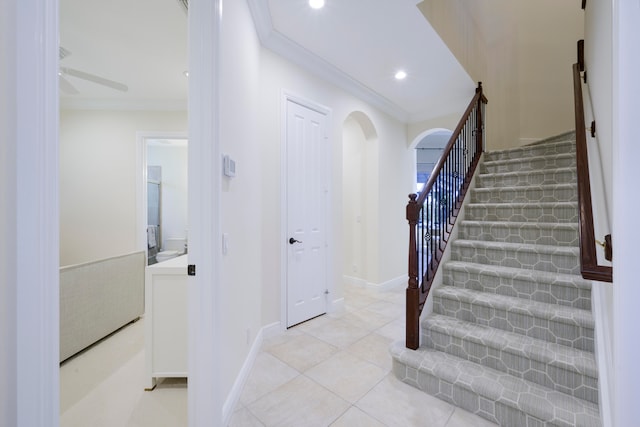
{"x":306,"y":158}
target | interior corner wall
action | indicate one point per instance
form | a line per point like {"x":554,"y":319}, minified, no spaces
{"x":527,"y":50}
{"x":598,"y":63}
{"x":355,"y":220}
{"x":98,"y":179}
{"x":548,"y":32}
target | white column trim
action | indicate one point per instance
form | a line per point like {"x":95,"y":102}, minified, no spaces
{"x":205,"y":164}
{"x":37,"y":222}
{"x":626,"y":203}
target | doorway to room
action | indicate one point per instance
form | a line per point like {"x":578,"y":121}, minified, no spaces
{"x":306,"y":212}
{"x":162,"y":186}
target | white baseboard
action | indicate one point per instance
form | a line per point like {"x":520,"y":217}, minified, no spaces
{"x":389,"y":284}
{"x":337,"y":305}
{"x":271,"y":330}
{"x":234,"y":395}
{"x":354,"y":281}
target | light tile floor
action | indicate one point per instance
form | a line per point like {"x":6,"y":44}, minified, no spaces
{"x":334,"y":370}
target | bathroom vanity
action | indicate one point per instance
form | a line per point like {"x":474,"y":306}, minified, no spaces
{"x":166,"y":320}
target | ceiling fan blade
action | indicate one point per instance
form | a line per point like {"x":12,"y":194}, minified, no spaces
{"x":95,"y":79}
{"x":67,"y":87}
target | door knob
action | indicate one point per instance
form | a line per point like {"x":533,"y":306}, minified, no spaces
{"x":292,"y":241}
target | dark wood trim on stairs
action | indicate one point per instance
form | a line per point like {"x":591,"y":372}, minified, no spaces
{"x":588,"y":259}
{"x":433,"y":213}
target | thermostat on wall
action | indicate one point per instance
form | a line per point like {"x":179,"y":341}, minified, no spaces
{"x":229,"y":166}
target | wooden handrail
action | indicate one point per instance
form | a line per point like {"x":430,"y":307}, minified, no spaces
{"x":589,"y":267}
{"x":447,"y":149}
{"x":430,"y":230}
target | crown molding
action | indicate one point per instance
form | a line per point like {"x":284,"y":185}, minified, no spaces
{"x":115,"y":104}
{"x":289,"y":49}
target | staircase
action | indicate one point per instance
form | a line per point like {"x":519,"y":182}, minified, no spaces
{"x":511,"y":336}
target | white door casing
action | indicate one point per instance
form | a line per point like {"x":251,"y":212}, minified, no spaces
{"x":306,"y":147}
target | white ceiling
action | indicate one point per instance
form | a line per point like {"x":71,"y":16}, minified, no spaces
{"x":357,"y":44}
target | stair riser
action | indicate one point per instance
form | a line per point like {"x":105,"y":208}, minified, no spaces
{"x":528,"y":234}
{"x":524,"y":323}
{"x":534,"y":164}
{"x":502,"y":410}
{"x":451,"y":393}
{"x":521,"y":287}
{"x":532,"y":213}
{"x":527,"y":179}
{"x":525,"y":195}
{"x":552,"y":262}
{"x":532,"y":151}
{"x":558,"y":378}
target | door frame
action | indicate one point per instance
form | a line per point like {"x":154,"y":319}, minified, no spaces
{"x":36,"y":316}
{"x":141,"y":181}
{"x":34,"y":322}
{"x":287,"y":97}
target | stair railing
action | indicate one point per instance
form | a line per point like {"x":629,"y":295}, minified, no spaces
{"x":589,"y":267}
{"x":432,"y":213}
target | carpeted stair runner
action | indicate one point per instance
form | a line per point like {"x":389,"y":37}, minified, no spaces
{"x":511,"y":336}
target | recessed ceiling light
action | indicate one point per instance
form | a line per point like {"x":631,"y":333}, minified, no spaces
{"x":316,"y":4}
{"x":186,"y":73}
{"x":401,"y":75}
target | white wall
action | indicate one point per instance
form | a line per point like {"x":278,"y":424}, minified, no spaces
{"x":395,"y":173}
{"x":526,"y":51}
{"x":598,"y":106}
{"x":598,"y":63}
{"x":241,"y":198}
{"x":548,"y":31}
{"x":98,"y":179}
{"x":626,"y":205}
{"x":173,"y":159}
{"x":415,"y":130}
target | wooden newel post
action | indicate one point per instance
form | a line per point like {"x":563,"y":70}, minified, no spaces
{"x":413,"y":293}
{"x":479,"y":118}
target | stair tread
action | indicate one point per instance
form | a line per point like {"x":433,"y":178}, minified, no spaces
{"x":541,"y":145}
{"x":559,"y":355}
{"x":545,"y":277}
{"x":519,"y":224}
{"x":543,"y":310}
{"x":489,"y":162}
{"x":524,"y":204}
{"x":543,"y":403}
{"x":525,"y":187}
{"x":526,"y":173}
{"x":521,"y":247}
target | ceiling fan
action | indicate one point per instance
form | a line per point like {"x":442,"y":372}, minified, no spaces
{"x":68,"y":88}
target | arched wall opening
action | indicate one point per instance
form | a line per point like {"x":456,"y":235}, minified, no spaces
{"x":360,"y":218}
{"x":429,"y":147}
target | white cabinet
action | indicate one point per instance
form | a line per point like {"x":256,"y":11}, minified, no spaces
{"x":166,"y":320}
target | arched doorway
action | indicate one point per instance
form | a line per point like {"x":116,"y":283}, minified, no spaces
{"x":360,"y":200}
{"x":429,"y":147}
